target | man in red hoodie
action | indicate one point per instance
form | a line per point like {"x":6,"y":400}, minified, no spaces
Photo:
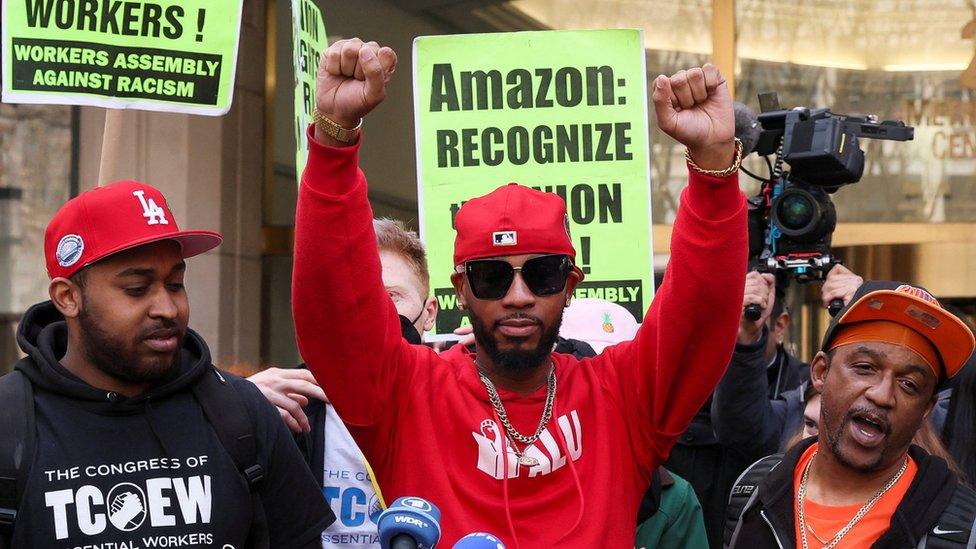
{"x":536,"y":447}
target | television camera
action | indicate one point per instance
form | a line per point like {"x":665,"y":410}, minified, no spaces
{"x":792,"y":219}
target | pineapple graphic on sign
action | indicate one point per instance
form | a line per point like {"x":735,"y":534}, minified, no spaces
{"x":607,"y":323}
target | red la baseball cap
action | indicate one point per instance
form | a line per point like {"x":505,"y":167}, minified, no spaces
{"x":107,"y":220}
{"x":512,"y":220}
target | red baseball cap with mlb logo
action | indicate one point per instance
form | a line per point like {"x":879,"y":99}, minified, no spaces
{"x":110,"y":219}
{"x":512,"y":220}
{"x":932,"y":330}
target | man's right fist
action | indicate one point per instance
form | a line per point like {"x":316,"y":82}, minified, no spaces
{"x":761,"y":291}
{"x":352,"y":81}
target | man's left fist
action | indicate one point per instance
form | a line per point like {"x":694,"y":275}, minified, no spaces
{"x":694,"y":107}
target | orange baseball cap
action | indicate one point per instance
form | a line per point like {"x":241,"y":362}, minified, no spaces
{"x":914,"y":308}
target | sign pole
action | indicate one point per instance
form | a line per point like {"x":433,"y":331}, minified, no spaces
{"x":111,"y":137}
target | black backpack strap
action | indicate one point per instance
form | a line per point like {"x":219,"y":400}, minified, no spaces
{"x":956,"y":527}
{"x":17,"y":442}
{"x":744,"y":492}
{"x":651,"y":501}
{"x":226,"y":412}
{"x":229,"y":417}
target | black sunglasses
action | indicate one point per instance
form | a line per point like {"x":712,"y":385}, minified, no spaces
{"x":491,"y":278}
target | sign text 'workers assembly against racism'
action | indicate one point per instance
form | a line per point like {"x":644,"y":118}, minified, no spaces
{"x":164,"y":55}
{"x":561,"y":111}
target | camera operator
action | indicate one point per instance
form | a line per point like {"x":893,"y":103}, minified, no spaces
{"x":737,"y":427}
{"x":699,"y":455}
{"x":751,"y":415}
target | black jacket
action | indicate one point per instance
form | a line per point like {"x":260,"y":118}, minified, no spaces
{"x":312,"y":443}
{"x":110,"y":469}
{"x":702,"y":458}
{"x":769,"y":520}
{"x":750,"y":413}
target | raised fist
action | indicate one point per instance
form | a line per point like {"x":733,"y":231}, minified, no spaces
{"x":694,"y":107}
{"x":352,"y":80}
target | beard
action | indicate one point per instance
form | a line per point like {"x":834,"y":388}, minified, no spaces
{"x":835,"y":435}
{"x":115,"y":358}
{"x":517,"y":360}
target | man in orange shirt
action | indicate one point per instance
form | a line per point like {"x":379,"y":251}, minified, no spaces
{"x":860,"y":482}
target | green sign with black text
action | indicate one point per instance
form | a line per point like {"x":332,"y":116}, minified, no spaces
{"x":561,"y":111}
{"x":164,"y":55}
{"x":308,"y":43}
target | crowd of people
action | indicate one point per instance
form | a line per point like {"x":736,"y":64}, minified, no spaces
{"x":694,"y":429}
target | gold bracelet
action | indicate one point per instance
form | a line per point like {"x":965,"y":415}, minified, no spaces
{"x":337,"y":132}
{"x":719,"y":173}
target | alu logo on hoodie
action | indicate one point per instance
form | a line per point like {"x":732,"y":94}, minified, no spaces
{"x":496,"y":454}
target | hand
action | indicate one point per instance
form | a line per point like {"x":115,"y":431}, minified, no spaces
{"x":695,"y":108}
{"x":841,"y":283}
{"x":289,"y":390}
{"x":466,"y":339}
{"x":467,"y":335}
{"x":352,"y":81}
{"x":760,"y":290}
{"x":125,"y":507}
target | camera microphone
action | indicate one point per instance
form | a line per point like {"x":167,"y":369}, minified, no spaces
{"x":410,"y":523}
{"x":747,"y":127}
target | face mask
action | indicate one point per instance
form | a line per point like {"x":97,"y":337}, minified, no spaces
{"x":408,"y":330}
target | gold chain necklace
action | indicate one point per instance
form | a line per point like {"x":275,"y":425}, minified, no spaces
{"x":801,"y":494}
{"x":820,"y":539}
{"x":513,"y":434}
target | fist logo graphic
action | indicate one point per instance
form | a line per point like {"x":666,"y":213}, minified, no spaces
{"x":127,"y":510}
{"x":489,"y":429}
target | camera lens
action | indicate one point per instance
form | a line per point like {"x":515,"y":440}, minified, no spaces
{"x":795,"y":211}
{"x":804,"y":213}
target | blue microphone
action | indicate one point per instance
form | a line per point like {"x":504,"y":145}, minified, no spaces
{"x":410,"y":523}
{"x":479,"y":540}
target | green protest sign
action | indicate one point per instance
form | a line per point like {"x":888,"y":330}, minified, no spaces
{"x":308,"y":42}
{"x":561,"y":111}
{"x":163,"y":55}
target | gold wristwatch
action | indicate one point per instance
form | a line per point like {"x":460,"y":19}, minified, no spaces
{"x":333,"y":130}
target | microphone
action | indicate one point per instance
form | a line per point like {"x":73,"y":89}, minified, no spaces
{"x":410,"y":523}
{"x":479,"y":540}
{"x":747,"y":127}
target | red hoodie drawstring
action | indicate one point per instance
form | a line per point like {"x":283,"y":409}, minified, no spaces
{"x":508,"y":511}
{"x":572,"y":468}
